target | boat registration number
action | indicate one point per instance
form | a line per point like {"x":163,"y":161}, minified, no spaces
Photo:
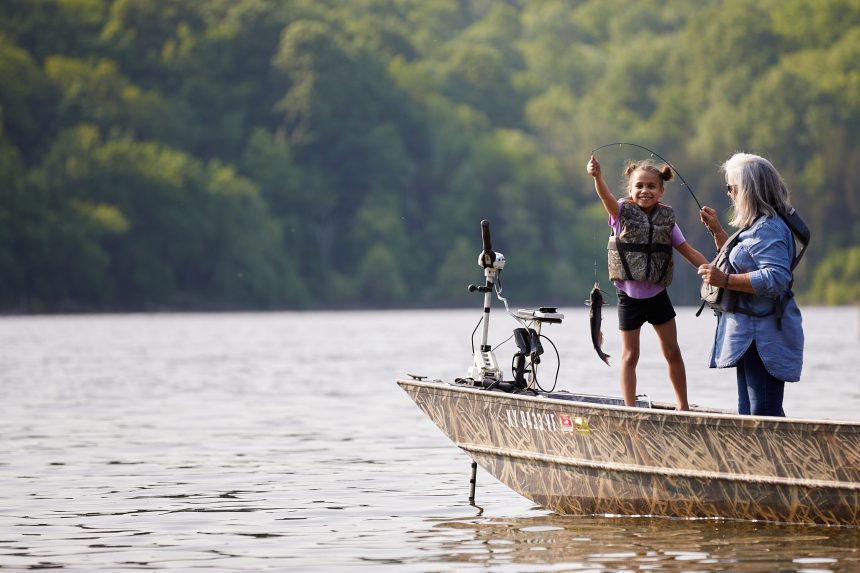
{"x":546,"y":421}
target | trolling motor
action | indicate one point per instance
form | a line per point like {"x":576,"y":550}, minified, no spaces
{"x":485,"y":370}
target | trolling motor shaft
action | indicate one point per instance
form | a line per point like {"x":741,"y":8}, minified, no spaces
{"x":484,"y":366}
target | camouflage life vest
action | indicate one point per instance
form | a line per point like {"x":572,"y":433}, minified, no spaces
{"x":643,"y":249}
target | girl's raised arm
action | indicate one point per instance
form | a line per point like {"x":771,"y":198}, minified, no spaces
{"x":610,"y":203}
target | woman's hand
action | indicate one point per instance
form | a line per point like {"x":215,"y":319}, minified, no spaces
{"x":708,"y":217}
{"x":593,"y":167}
{"x":712,"y":275}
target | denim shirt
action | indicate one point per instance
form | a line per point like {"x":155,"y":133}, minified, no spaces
{"x":765,"y":251}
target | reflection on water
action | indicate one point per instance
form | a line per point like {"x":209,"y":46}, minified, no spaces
{"x":248,"y":442}
{"x":551,"y":543}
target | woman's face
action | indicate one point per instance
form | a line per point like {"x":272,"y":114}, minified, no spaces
{"x":646,"y":188}
{"x":731,"y":191}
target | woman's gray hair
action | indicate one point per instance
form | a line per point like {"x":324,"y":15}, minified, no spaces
{"x":760,"y":189}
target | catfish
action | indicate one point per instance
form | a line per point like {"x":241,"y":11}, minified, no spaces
{"x":596,"y":302}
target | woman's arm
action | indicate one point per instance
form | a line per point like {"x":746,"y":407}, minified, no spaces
{"x":769,"y":250}
{"x":714,"y":276}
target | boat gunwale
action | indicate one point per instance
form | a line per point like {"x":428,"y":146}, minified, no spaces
{"x":491,"y":396}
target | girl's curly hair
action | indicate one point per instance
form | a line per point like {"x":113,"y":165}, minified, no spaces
{"x":663,"y":171}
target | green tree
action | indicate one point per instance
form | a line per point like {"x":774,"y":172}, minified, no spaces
{"x":837,"y":279}
{"x":96,"y":93}
{"x":27,"y":100}
{"x":49,"y":27}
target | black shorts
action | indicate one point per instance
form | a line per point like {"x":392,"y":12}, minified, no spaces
{"x":634,"y":312}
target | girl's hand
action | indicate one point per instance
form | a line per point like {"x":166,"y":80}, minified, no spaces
{"x":593,"y":167}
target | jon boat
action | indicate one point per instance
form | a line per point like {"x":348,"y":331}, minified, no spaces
{"x":584,"y":454}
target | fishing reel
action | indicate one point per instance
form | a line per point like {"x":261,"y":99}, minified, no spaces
{"x":485,"y":371}
{"x":529,"y":348}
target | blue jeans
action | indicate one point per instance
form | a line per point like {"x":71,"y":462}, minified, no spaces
{"x":759,"y":393}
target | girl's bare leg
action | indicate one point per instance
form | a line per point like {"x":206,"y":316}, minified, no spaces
{"x":629,"y":360}
{"x":668,"y":335}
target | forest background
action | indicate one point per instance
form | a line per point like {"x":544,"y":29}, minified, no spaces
{"x":263,"y":154}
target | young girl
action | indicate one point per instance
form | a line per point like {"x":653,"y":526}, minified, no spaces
{"x":640,"y":264}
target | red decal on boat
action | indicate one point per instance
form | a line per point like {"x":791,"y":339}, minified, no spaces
{"x":566,"y":424}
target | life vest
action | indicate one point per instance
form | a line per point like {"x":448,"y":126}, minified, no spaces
{"x":642,"y":251}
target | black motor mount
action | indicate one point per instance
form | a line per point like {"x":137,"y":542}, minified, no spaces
{"x":528,"y":343}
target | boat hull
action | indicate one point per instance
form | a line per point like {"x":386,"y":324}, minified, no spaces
{"x":580,"y":458}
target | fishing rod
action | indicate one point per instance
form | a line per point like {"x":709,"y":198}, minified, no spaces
{"x":658,"y":156}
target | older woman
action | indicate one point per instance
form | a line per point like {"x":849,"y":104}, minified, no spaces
{"x":763,"y":336}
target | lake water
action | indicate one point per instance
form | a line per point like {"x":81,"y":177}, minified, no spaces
{"x":279,"y":441}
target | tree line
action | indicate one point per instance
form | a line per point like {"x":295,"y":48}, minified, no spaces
{"x":293,"y":154}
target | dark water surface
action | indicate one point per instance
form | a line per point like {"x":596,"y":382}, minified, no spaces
{"x":249,"y":442}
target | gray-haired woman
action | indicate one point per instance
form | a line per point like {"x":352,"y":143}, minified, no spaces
{"x":763,"y":339}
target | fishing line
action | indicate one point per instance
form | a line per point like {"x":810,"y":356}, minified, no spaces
{"x":658,"y":156}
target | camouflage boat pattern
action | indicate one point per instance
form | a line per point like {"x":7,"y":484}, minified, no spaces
{"x":575,"y":456}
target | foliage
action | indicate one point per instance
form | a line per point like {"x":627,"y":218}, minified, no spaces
{"x":319,"y":154}
{"x":837,"y":278}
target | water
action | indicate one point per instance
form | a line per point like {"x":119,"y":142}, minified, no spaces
{"x":249,"y":442}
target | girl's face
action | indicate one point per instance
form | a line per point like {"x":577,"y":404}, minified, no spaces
{"x":645,"y":188}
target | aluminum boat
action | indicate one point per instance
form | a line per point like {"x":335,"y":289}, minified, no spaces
{"x":580,"y":454}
